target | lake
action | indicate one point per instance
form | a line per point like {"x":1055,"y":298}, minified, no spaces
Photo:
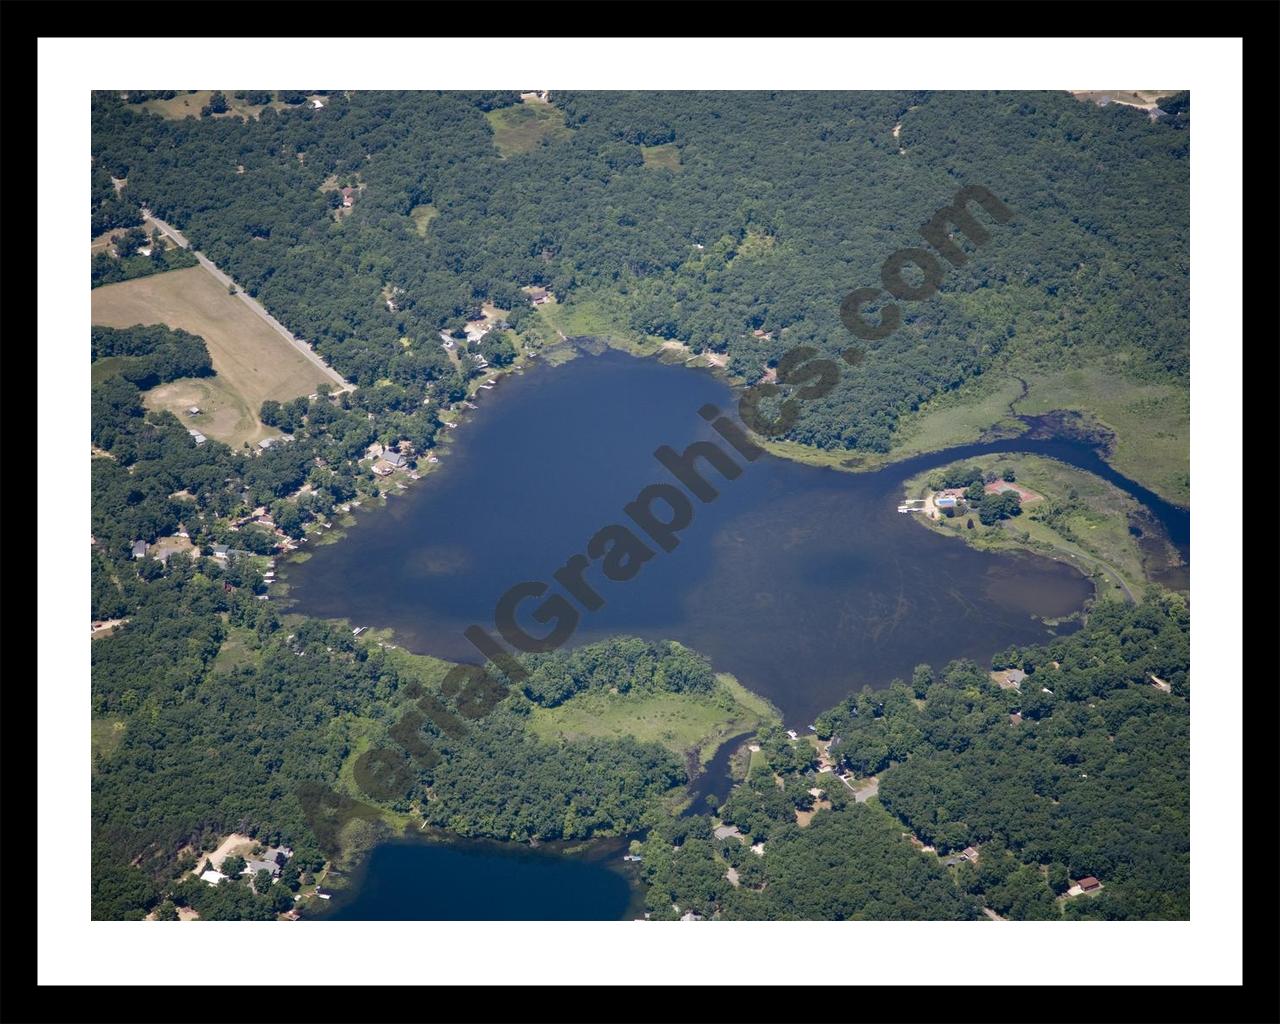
{"x":480,"y":880}
{"x":804,"y":582}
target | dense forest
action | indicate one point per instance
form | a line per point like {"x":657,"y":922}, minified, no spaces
{"x":777,"y":206}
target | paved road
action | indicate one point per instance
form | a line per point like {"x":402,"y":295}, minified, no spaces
{"x":252,"y":303}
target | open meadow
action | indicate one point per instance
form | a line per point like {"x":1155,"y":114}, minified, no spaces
{"x":251,"y":361}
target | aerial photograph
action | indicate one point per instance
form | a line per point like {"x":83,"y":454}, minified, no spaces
{"x":638,"y":505}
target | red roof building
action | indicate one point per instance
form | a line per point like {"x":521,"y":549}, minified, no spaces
{"x":1089,"y":884}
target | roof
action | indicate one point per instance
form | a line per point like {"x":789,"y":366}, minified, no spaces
{"x":1089,"y":882}
{"x":220,"y":549}
{"x":267,"y":442}
{"x":394,"y":458}
{"x":139,"y":547}
{"x":254,"y":866}
{"x":947,"y":502}
{"x":725,"y":831}
{"x":212,"y":877}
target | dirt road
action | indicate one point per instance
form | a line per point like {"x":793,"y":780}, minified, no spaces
{"x":252,"y":303}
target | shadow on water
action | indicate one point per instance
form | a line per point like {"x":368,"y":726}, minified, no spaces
{"x":804,"y":582}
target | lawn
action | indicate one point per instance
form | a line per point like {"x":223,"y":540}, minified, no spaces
{"x":666,"y":155}
{"x":678,"y":721}
{"x":519,"y":128}
{"x":252,"y":361}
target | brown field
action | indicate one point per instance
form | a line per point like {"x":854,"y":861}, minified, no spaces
{"x":666,"y":155}
{"x":1144,"y":98}
{"x":252,"y":362}
{"x":189,"y":104}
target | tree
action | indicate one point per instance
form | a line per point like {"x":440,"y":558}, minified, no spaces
{"x":217,"y":105}
{"x":261,"y":881}
{"x":231,"y":288}
{"x":281,"y":899}
{"x":233,"y":865}
{"x":166,"y":911}
{"x":129,"y":242}
{"x":1008,"y":475}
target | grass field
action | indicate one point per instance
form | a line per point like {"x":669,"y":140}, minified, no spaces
{"x":422,"y":217}
{"x":189,"y":104}
{"x":239,"y":649}
{"x":678,"y":721}
{"x":1152,"y":423}
{"x":667,"y":156}
{"x":958,"y":417}
{"x":1094,"y":536}
{"x":252,"y":362}
{"x":518,"y":129}
{"x":105,"y":734}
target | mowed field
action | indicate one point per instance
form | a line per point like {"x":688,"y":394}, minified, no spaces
{"x":252,"y":362}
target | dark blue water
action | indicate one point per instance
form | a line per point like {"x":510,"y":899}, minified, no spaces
{"x":414,"y":880}
{"x":806,"y":583}
{"x":710,"y":788}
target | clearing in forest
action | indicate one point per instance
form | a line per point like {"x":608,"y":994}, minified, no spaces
{"x":518,"y":129}
{"x":251,"y":361}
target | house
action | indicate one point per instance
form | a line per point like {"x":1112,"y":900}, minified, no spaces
{"x":792,"y":733}
{"x":324,"y":894}
{"x":254,"y":866}
{"x":1009,"y":679}
{"x":1089,"y":884}
{"x":182,"y":532}
{"x":212,"y":877}
{"x":394,"y":459}
{"x":947,"y":504}
{"x":970,"y":854}
{"x":380,"y":468}
{"x":139,"y":549}
{"x":266,"y":443}
{"x":193,"y":410}
{"x":725,"y":831}
{"x":220,"y":551}
{"x":348,"y":196}
{"x":196,"y":436}
{"x":317,"y":105}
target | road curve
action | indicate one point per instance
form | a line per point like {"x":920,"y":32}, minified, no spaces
{"x":252,"y":303}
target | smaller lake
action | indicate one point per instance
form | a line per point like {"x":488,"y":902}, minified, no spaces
{"x":481,"y":880}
